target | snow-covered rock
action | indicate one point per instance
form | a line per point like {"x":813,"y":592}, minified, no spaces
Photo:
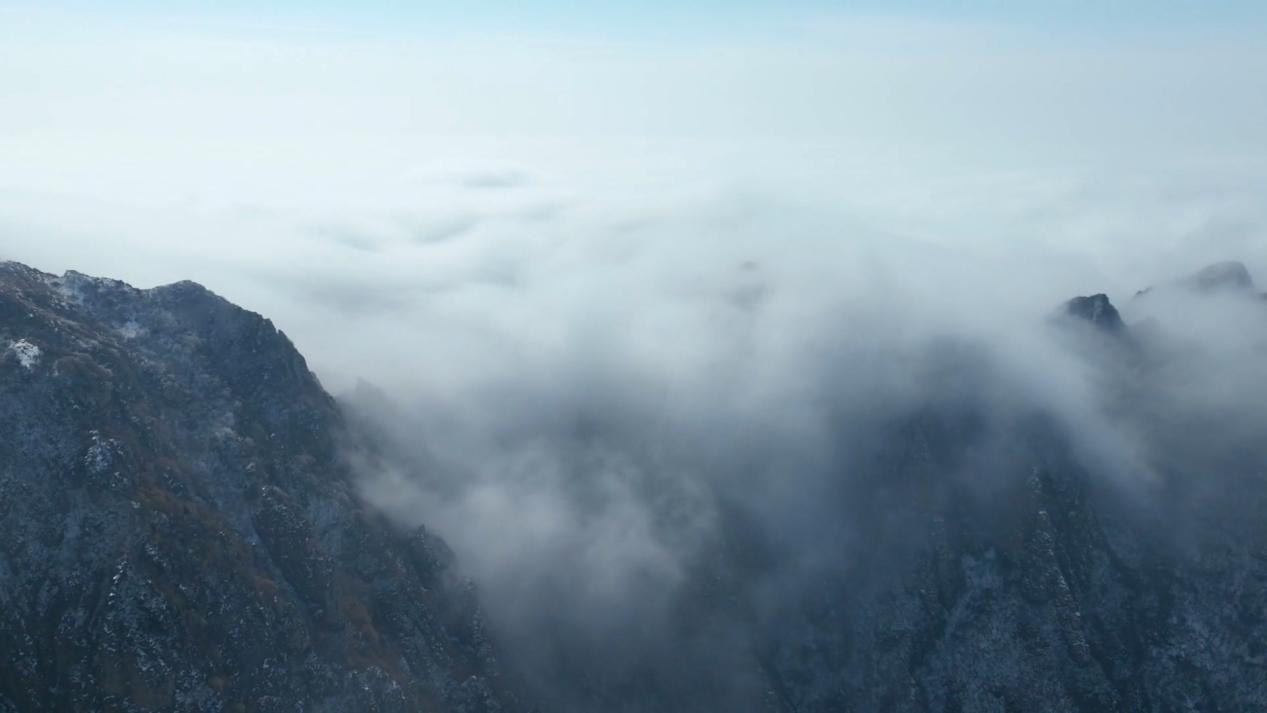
{"x":28,"y":355}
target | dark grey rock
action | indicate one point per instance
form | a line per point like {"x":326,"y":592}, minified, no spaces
{"x":1096,"y":310}
{"x":178,"y":531}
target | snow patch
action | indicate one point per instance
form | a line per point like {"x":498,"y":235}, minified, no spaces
{"x":131,"y":330}
{"x":101,"y":454}
{"x":68,"y":289}
{"x":76,"y":287}
{"x":27,"y":353}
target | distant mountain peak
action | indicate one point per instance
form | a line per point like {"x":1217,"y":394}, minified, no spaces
{"x":1227,"y":275}
{"x":1096,"y":309}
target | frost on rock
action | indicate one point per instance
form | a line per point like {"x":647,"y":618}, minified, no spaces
{"x":27,"y":353}
{"x":132,"y":575}
{"x":67,"y":288}
{"x":131,"y":330}
{"x":101,"y":454}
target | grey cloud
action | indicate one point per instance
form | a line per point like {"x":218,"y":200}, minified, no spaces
{"x":735,"y":394}
{"x":542,"y":212}
{"x":436,"y":231}
{"x":351,"y":238}
{"x":495,"y":180}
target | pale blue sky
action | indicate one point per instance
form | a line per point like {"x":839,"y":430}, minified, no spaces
{"x":659,"y":16}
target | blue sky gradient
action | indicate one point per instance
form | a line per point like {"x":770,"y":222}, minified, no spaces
{"x":658,"y":17}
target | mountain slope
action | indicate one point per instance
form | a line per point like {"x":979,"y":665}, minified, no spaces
{"x":178,"y":532}
{"x":999,"y":569}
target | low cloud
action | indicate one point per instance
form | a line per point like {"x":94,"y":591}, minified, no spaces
{"x":495,"y":180}
{"x":633,"y":406}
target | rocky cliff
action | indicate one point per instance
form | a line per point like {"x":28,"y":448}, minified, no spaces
{"x":178,"y":531}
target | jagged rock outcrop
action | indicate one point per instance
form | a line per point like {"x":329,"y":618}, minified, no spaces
{"x":178,"y":531}
{"x":1096,"y":310}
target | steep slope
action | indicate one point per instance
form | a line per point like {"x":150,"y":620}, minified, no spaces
{"x":1050,"y":597}
{"x":1001,"y":572}
{"x":177,"y":529}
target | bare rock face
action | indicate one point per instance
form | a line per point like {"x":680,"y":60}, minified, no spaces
{"x":1097,"y":310}
{"x":178,"y":532}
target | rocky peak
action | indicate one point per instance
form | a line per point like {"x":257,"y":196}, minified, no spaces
{"x":1096,"y":310}
{"x":179,"y":530}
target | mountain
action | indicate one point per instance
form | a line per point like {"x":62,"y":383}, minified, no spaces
{"x":1001,"y":568}
{"x":1055,"y":587}
{"x":1228,"y":277}
{"x":179,"y":532}
{"x":1097,"y":310}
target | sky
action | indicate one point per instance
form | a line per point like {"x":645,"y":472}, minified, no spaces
{"x":574,"y":14}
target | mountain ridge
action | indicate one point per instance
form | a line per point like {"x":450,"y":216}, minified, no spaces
{"x":180,"y":531}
